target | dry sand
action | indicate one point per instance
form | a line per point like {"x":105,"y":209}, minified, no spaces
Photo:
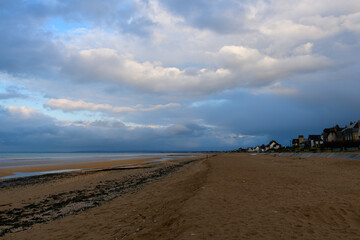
{"x":229,"y":196}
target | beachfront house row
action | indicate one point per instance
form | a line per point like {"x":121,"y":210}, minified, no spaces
{"x":334,"y":137}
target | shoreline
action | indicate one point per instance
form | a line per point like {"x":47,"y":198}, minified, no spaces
{"x":6,"y":173}
{"x":77,"y":166}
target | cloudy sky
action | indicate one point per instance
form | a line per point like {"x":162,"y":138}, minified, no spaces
{"x":156,"y":75}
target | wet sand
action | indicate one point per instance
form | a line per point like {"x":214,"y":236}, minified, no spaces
{"x":229,"y":196}
{"x":83,"y":165}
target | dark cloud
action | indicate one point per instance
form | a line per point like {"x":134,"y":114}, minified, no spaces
{"x":28,"y":48}
{"x":35,"y":132}
{"x":219,"y":16}
{"x":25,"y":48}
{"x":187,"y":130}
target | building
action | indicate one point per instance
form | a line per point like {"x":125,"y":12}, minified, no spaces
{"x":333,"y":134}
{"x":295,"y":142}
{"x":273,"y":145}
{"x":351,"y":133}
{"x":315,"y":140}
{"x":301,"y":139}
{"x":303,"y":142}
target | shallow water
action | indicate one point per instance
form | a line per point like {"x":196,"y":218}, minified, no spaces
{"x":9,"y":160}
{"x":41,"y":159}
{"x":29,"y":174}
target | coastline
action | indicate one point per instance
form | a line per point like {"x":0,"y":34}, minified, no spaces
{"x":80,"y":165}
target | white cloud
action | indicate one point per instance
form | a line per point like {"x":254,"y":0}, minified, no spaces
{"x":67,"y":105}
{"x":352,"y":22}
{"x":253,"y":68}
{"x":237,"y":66}
{"x":107,"y":65}
{"x":259,"y":57}
{"x":304,"y":49}
{"x":233,"y":135}
{"x":23,"y":111}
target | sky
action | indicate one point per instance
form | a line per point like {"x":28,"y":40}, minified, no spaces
{"x":180,"y":75}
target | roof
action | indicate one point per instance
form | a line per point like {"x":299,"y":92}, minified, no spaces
{"x":333,"y":129}
{"x":354,"y":127}
{"x":314,"y":137}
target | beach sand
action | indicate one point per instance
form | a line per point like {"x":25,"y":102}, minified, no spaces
{"x":228,"y":196}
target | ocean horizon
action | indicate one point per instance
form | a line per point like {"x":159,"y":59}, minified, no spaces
{"x":9,"y":160}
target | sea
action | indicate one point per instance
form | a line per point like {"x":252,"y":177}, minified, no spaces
{"x":15,"y":160}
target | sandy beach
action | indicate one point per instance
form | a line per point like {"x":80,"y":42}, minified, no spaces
{"x":227,"y":196}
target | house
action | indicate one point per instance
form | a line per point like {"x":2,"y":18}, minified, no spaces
{"x":273,"y":145}
{"x":333,"y":134}
{"x":298,"y":142}
{"x":301,"y":139}
{"x":295,"y":142}
{"x":250,"y":149}
{"x":303,"y":142}
{"x":315,"y":140}
{"x":351,"y":133}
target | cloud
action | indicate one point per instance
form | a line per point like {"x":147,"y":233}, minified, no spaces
{"x":11,"y":95}
{"x":277,"y":89}
{"x":239,"y":66}
{"x":268,"y":34}
{"x":23,"y":111}
{"x":207,"y":15}
{"x":187,"y":130}
{"x":96,"y":124}
{"x":67,"y":105}
{"x":257,"y":69}
{"x":36,"y":132}
{"x":351,"y":22}
{"x":304,"y":49}
{"x":108,"y":65}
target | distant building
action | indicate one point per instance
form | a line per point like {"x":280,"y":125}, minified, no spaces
{"x":303,"y":142}
{"x":352,"y":132}
{"x":295,"y":142}
{"x":273,"y":145}
{"x":333,"y":134}
{"x":301,"y":139}
{"x":250,"y":149}
{"x":315,"y":140}
{"x":332,"y":138}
